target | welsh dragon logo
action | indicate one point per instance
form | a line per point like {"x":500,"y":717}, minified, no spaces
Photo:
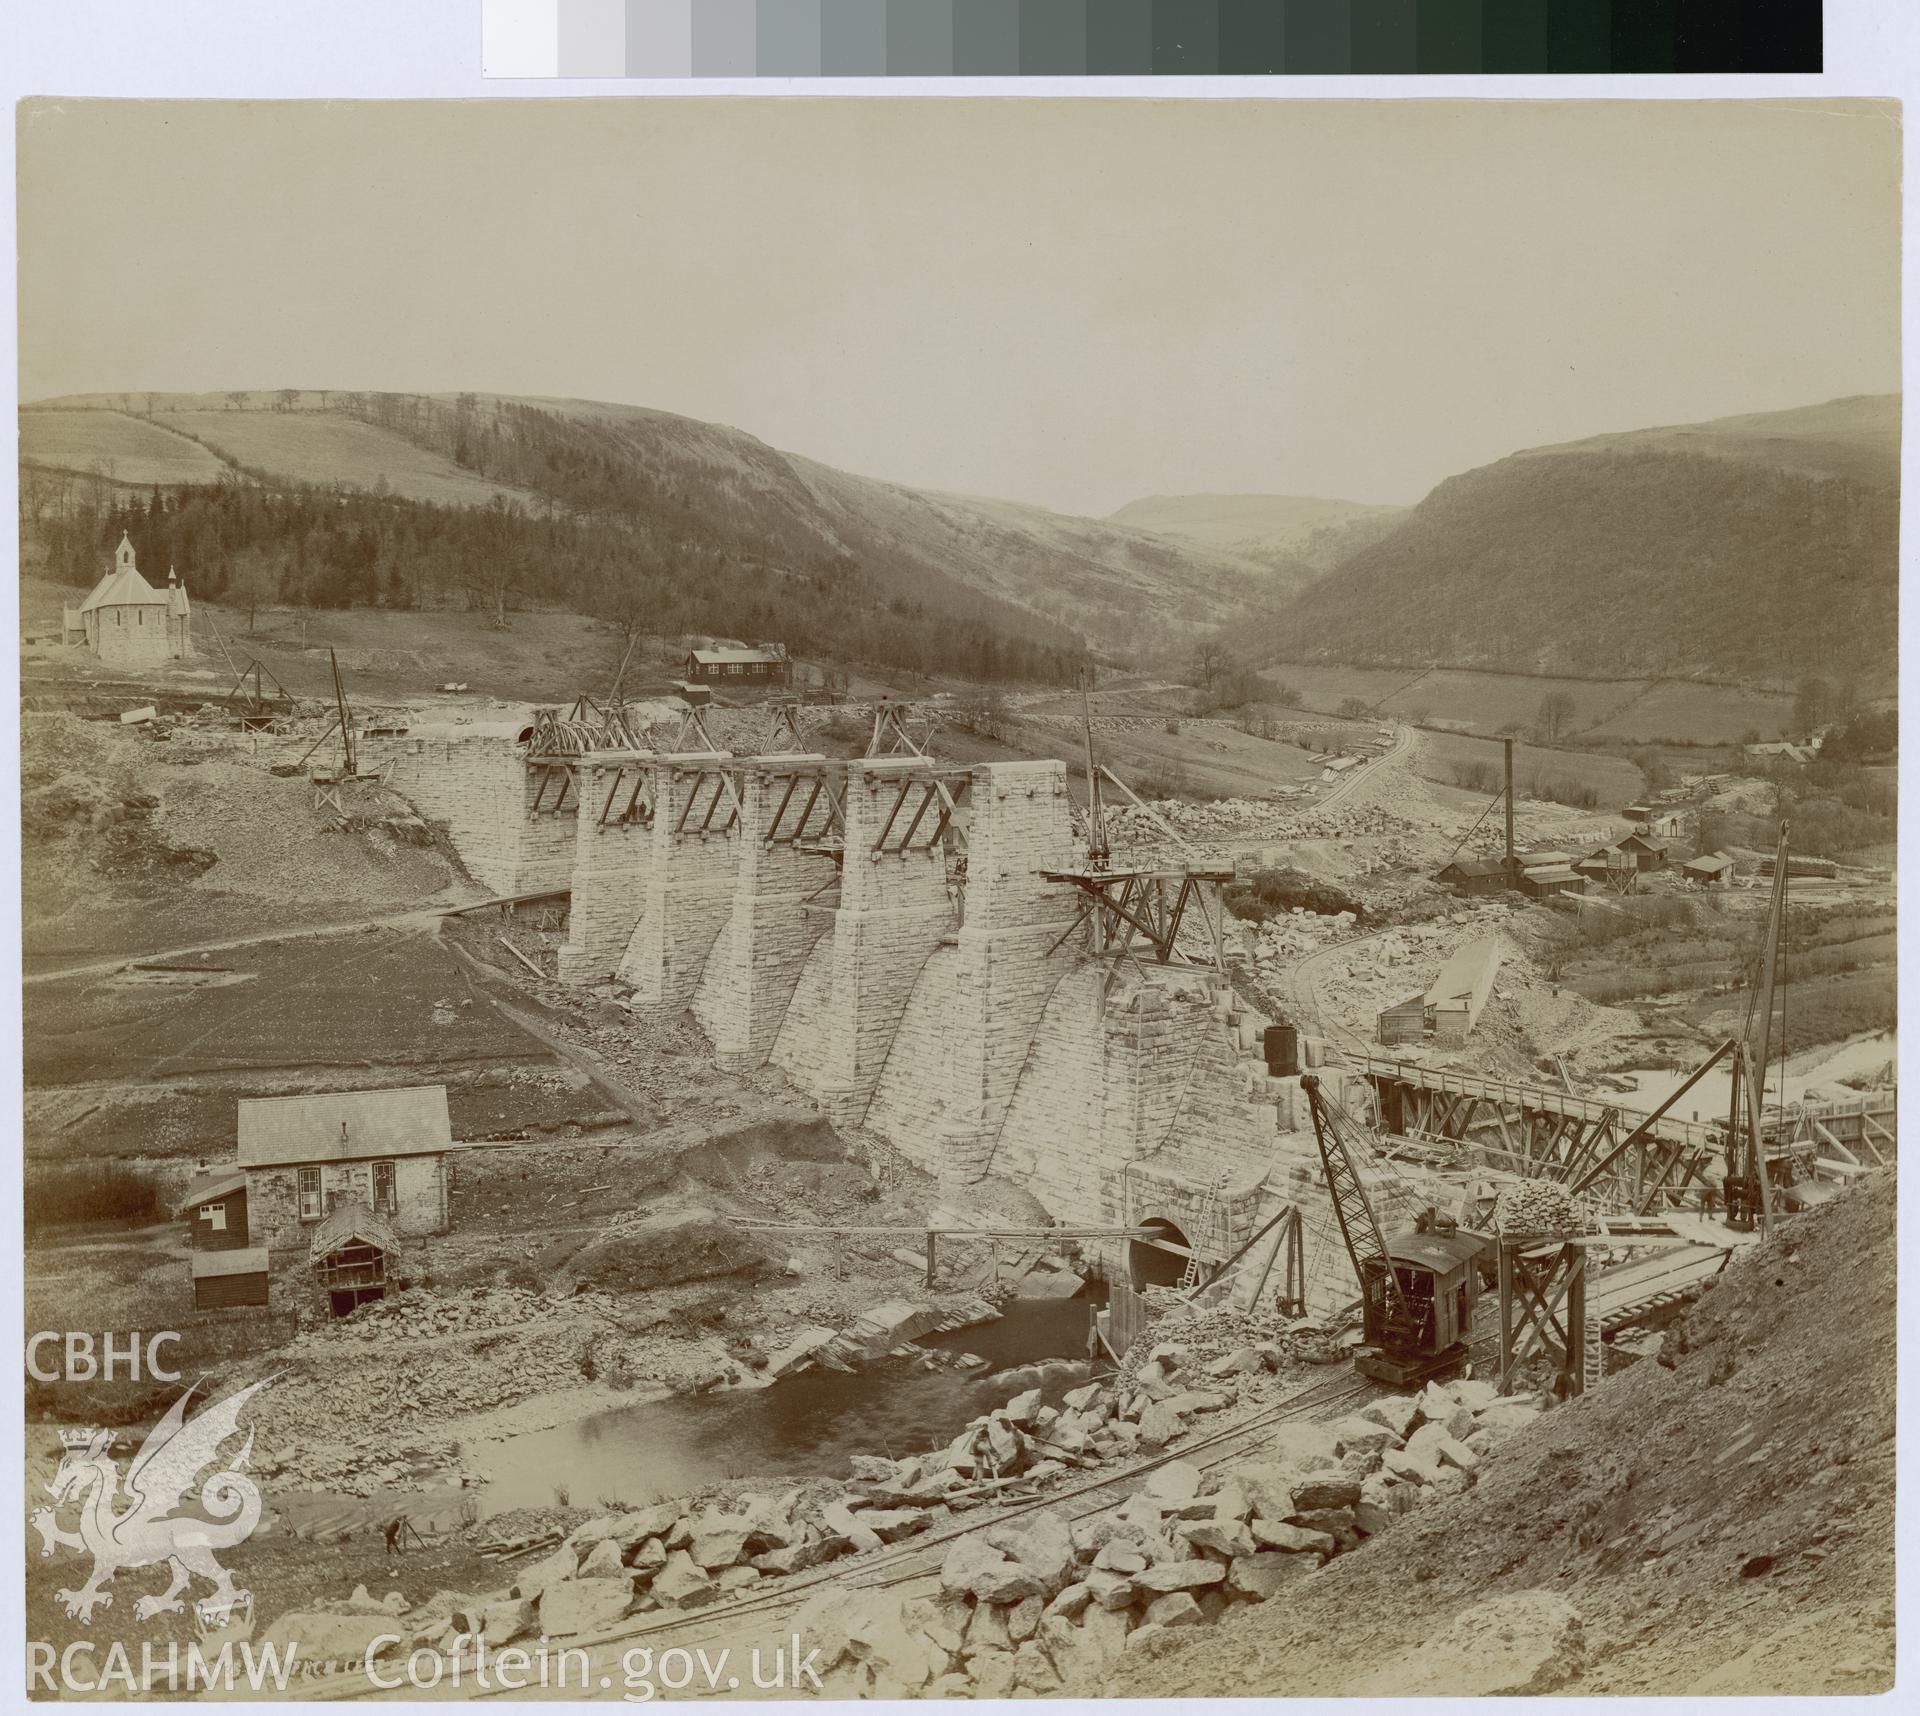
{"x":152,"y":1528}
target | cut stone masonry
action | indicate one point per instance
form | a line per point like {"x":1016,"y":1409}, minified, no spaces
{"x":811,"y":914}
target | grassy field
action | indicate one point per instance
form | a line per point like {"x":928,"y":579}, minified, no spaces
{"x":378,"y":998}
{"x":125,"y":448}
{"x":1567,"y":777}
{"x":1695,"y":714}
{"x":1617,"y":711}
{"x":326,"y":447}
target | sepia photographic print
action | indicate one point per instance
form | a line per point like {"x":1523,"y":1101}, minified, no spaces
{"x":881,"y":899}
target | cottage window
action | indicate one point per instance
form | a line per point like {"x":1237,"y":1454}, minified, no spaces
{"x":312,"y":1202}
{"x":215,"y":1216}
{"x":385,"y":1199}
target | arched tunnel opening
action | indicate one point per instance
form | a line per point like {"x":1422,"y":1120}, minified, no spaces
{"x":1149,"y":1263}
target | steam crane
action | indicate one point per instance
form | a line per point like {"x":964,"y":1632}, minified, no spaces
{"x":1417,"y":1294}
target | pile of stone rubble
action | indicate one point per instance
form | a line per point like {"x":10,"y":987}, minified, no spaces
{"x":1537,"y":1206}
{"x":1033,"y":1603}
{"x":1025,"y":1603}
{"x":421,"y":1316}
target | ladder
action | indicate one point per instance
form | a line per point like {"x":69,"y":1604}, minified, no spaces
{"x":1594,"y":1355}
{"x":1202,"y":1227}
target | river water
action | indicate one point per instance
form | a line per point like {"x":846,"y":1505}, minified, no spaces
{"x":803,"y":1426}
{"x":1818,"y":1070}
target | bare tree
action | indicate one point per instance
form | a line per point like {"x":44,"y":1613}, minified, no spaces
{"x":1209,"y":659}
{"x":1556,"y":714}
{"x":236,"y":400}
{"x":288,"y":398}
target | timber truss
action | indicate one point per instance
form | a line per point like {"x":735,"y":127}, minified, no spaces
{"x":809,"y":815}
{"x":1127,"y":912}
{"x":920,"y":819}
{"x":1623,"y":1162}
{"x":560,"y":742}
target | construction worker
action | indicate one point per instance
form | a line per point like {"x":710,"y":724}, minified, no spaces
{"x":394,"y":1527}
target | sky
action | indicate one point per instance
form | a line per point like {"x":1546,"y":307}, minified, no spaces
{"x":1074,"y":303}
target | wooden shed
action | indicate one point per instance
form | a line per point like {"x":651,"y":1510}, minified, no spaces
{"x":215,"y":1205}
{"x":1648,"y":852}
{"x":228,"y":1280}
{"x":767,"y":665}
{"x":1476,"y":875}
{"x":1709,"y":870}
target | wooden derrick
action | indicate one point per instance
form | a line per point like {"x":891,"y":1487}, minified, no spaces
{"x":1543,"y":1307}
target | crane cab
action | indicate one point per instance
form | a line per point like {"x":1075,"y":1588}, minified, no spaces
{"x":1438,"y":1269}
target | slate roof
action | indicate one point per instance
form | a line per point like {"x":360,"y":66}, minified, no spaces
{"x":721,"y":657}
{"x":276,"y":1131}
{"x":123,"y":588}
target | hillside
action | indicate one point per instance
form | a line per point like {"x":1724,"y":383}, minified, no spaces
{"x":1749,"y":548}
{"x":1270,"y":530}
{"x":1722,"y":1520}
{"x":684,"y":490}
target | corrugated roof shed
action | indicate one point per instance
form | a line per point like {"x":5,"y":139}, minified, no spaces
{"x":344,"y":1126}
{"x":250,"y":1262}
{"x":207,"y":1187}
{"x":1476,"y":867}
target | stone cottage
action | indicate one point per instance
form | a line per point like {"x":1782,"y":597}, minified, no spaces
{"x":382,"y":1150}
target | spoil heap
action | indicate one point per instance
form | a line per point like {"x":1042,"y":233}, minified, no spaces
{"x":1718,"y":1522}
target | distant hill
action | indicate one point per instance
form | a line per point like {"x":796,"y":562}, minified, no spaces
{"x":689,"y":495}
{"x":1270,"y":530}
{"x":1749,"y":548}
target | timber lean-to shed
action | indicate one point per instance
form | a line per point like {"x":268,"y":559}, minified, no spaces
{"x":1462,"y":990}
{"x":352,"y":1252}
{"x":306,"y":1155}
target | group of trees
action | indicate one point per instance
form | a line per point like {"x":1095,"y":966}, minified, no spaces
{"x":1626,"y":562}
{"x":254,"y":545}
{"x":1819,"y":702}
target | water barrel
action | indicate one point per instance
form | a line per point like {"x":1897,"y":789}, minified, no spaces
{"x":1283,"y":1051}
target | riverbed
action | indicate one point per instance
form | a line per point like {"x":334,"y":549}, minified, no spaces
{"x":802,"y":1426}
